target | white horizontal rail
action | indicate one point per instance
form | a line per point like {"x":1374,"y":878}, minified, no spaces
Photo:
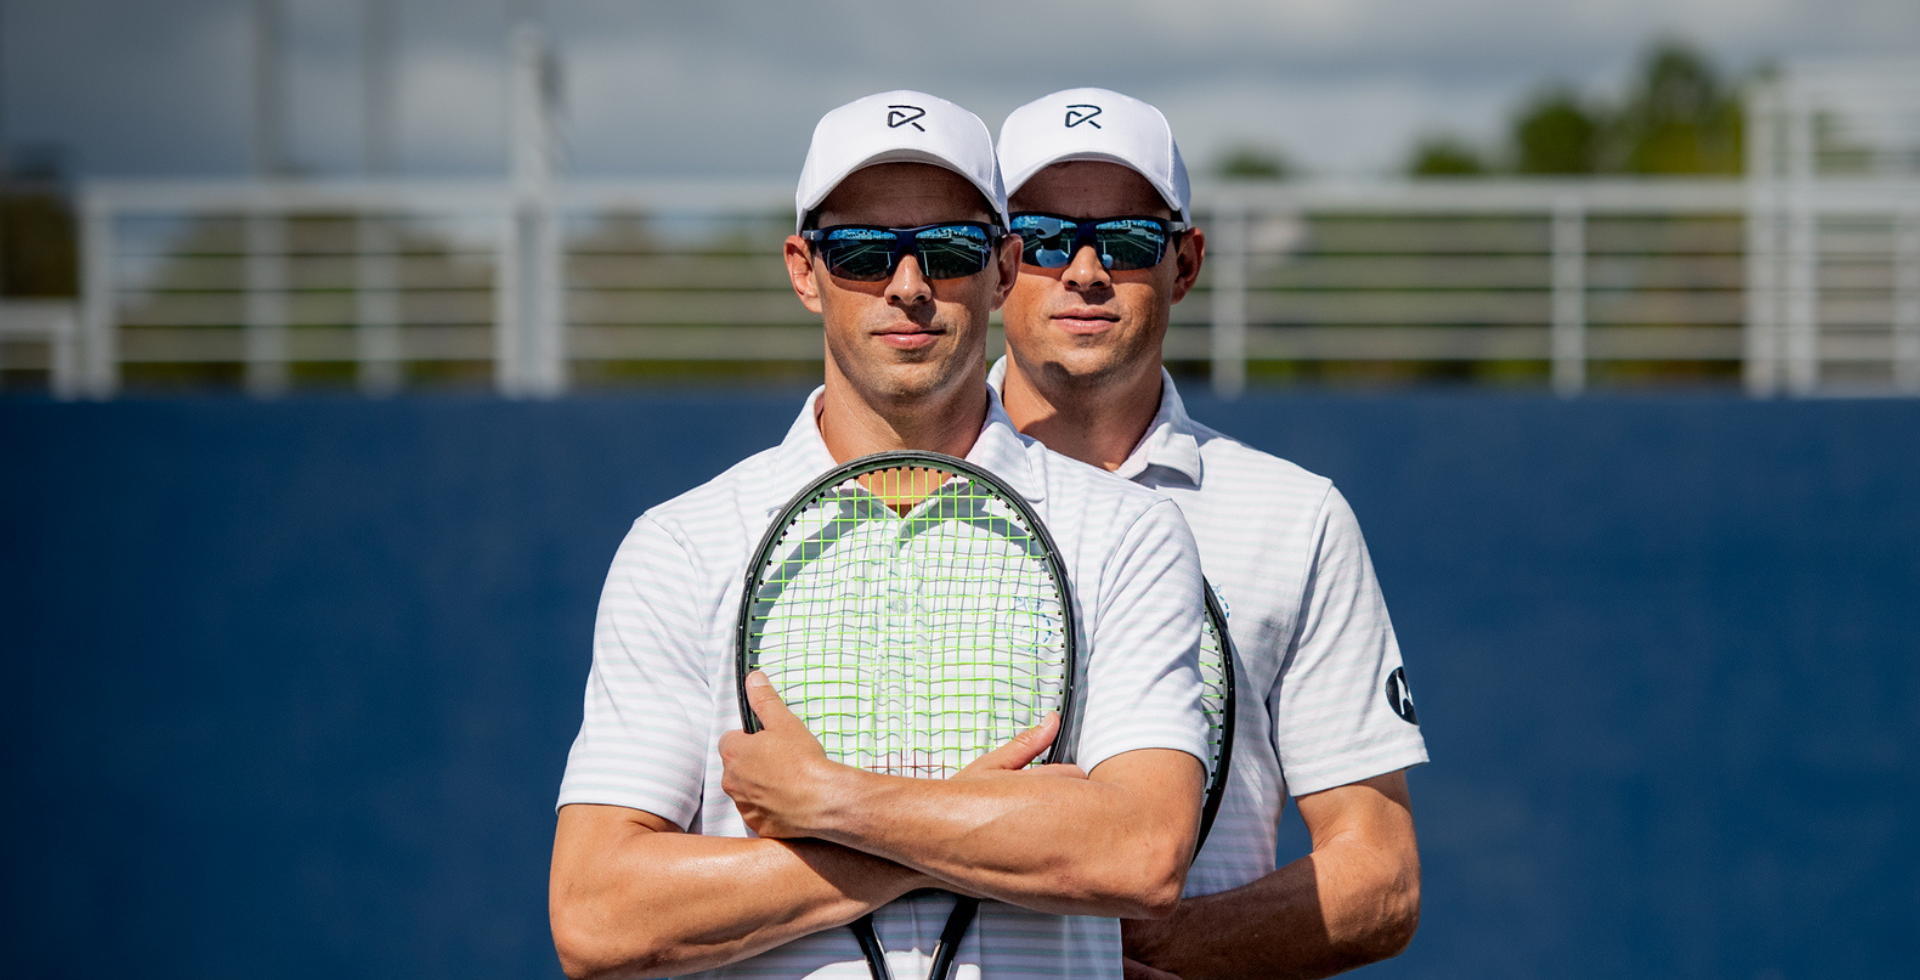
{"x":1565,"y":280}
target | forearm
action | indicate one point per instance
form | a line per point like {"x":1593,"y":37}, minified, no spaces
{"x":1064,"y":846}
{"x":651,"y":903}
{"x":1323,"y":914}
{"x":1353,"y":901}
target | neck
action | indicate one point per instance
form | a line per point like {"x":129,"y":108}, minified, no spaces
{"x":1094,"y":421}
{"x":854,"y":423}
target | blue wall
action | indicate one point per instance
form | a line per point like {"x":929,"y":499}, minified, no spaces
{"x":288,"y":688}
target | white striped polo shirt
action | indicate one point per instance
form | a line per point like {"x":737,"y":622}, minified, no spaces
{"x":1319,"y":668}
{"x":663,"y":688}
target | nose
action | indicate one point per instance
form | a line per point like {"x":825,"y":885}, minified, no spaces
{"x":1085,"y":271}
{"x":909,"y":286}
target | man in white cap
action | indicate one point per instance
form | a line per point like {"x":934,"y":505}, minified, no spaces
{"x":686,"y":845}
{"x":1099,"y":194}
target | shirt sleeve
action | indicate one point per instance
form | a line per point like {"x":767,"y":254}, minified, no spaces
{"x":1142,"y":674}
{"x":649,"y":701}
{"x":1334,"y":702}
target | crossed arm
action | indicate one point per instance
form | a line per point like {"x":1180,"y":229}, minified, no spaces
{"x":1354,"y":900}
{"x":632,"y":896}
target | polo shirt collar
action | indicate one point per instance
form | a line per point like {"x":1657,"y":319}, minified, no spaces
{"x":1001,"y":450}
{"x":1171,"y":439}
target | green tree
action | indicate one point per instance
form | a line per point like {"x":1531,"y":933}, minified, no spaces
{"x":1556,"y":133}
{"x":1445,"y":156}
{"x":1679,"y":118}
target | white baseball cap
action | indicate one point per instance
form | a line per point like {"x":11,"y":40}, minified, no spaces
{"x":898,"y":127}
{"x":1095,"y":124}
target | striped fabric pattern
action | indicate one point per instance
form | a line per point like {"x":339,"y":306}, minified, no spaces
{"x":662,"y":688}
{"x":1283,"y":550}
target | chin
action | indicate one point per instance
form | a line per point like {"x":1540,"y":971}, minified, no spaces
{"x":914,"y":379}
{"x":1088,"y":364}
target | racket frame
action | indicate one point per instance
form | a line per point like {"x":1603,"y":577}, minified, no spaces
{"x":1229,"y":709}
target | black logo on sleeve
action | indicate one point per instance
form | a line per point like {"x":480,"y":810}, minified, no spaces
{"x":904,"y":115}
{"x":1400,"y":697}
{"x":1077,"y":114}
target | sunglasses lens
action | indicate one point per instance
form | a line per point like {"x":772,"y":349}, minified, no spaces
{"x":952,"y":251}
{"x":860,"y":254}
{"x":1123,"y":244}
{"x":1044,"y":241}
{"x":1131,"y":243}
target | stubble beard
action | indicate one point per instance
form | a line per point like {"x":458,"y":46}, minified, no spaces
{"x":1079,"y":370}
{"x":896,"y":376}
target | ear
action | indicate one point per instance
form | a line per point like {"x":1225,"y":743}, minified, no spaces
{"x":1008,"y":263}
{"x":1187,"y":261}
{"x":799,"y":258}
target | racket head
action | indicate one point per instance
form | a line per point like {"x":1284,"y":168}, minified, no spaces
{"x":1218,"y":699}
{"x":914,"y":612}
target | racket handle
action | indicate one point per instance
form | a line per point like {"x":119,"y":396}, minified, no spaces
{"x":949,"y":945}
{"x":870,"y":947}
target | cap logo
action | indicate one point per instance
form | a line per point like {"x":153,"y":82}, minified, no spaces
{"x":1077,"y":114}
{"x":904,"y":115}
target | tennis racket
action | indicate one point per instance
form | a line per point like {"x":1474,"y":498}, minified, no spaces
{"x":914,"y":612}
{"x":1217,"y":702}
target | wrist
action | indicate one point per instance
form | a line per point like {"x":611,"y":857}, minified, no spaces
{"x":870,"y":880}
{"x":837,"y":803}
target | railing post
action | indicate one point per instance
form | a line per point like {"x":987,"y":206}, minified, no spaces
{"x":1803,"y":250}
{"x":539,"y":322}
{"x":1227,"y":255}
{"x":1906,"y":301}
{"x":1761,"y":336}
{"x":266,"y":303}
{"x":99,"y":339}
{"x":507,"y":287}
{"x":63,"y":376}
{"x":1569,"y":297}
{"x":547,"y":356}
{"x":377,"y":306}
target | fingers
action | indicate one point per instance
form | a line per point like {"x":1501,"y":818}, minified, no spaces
{"x":767,"y":705}
{"x":1019,"y":751}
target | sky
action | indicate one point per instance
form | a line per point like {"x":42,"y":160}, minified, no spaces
{"x":706,"y":88}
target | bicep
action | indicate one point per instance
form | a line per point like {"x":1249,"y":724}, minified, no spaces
{"x":1142,"y":675}
{"x":649,"y":698}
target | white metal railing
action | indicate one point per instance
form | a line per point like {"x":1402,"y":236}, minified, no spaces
{"x":1805,"y":276}
{"x":41,"y":335}
{"x":1571,"y":274}
{"x":1833,"y":154}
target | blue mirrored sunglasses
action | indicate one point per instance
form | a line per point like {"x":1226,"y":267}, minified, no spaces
{"x":870,"y":253}
{"x":1050,"y":241}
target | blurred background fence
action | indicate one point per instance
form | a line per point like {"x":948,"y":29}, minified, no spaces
{"x":1802,"y":276}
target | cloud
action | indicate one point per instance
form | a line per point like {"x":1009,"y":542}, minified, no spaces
{"x":685,"y":88}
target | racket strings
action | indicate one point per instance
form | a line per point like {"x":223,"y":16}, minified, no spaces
{"x":911,"y":621}
{"x":1214,"y":693}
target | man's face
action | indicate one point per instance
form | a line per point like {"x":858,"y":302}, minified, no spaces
{"x":1084,"y":325}
{"x":906,"y":337}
